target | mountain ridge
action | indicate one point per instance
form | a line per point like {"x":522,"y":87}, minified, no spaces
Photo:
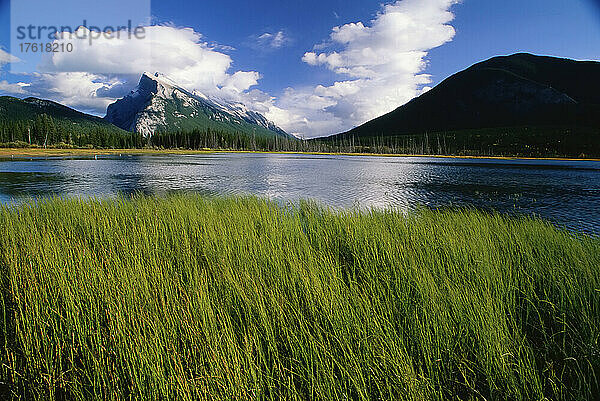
{"x":158,"y":104}
{"x":27,"y":109}
{"x":516,"y":90}
{"x":34,"y":121}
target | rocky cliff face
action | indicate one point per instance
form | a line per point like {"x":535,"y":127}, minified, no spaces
{"x":158,"y":104}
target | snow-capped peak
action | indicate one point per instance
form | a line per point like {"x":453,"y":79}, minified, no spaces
{"x":162,"y":79}
{"x":158,"y":103}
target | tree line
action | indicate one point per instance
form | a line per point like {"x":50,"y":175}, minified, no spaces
{"x":45,"y":131}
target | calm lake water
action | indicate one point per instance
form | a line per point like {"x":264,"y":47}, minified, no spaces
{"x":565,"y":192}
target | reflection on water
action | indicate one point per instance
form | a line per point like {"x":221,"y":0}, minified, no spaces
{"x":566,"y":192}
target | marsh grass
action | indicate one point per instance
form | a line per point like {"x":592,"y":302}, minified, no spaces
{"x":186,"y":298}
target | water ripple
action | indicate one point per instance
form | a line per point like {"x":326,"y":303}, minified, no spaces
{"x":565,"y":192}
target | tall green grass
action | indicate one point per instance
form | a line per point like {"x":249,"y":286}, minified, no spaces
{"x":187,"y":298}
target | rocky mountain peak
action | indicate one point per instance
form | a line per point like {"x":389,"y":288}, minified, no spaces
{"x":159,"y":104}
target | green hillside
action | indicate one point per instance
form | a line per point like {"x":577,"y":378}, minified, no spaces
{"x":38,"y":122}
{"x":496,"y":104}
{"x":158,"y":105}
{"x":181,"y":116}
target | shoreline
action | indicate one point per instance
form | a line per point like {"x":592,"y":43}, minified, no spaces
{"x":37,"y":152}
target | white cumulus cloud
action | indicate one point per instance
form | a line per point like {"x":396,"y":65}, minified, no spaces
{"x":382,"y":62}
{"x":93,"y":76}
{"x":18,"y":88}
{"x":6,"y":58}
{"x":80,"y":90}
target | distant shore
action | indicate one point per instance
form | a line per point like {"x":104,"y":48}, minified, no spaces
{"x":39,"y":152}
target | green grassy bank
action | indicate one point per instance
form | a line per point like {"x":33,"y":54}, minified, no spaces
{"x":186,"y":298}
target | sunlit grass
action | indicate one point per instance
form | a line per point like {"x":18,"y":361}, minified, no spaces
{"x":188,"y":298}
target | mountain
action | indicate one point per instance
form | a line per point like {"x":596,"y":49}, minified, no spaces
{"x":159,"y":105}
{"x":37,"y":122}
{"x":26,"y":111}
{"x":508,"y":95}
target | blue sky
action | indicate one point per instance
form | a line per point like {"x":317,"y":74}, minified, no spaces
{"x":279,"y":57}
{"x":485,"y":28}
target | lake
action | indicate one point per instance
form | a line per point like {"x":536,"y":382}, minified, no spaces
{"x":564,"y":192}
